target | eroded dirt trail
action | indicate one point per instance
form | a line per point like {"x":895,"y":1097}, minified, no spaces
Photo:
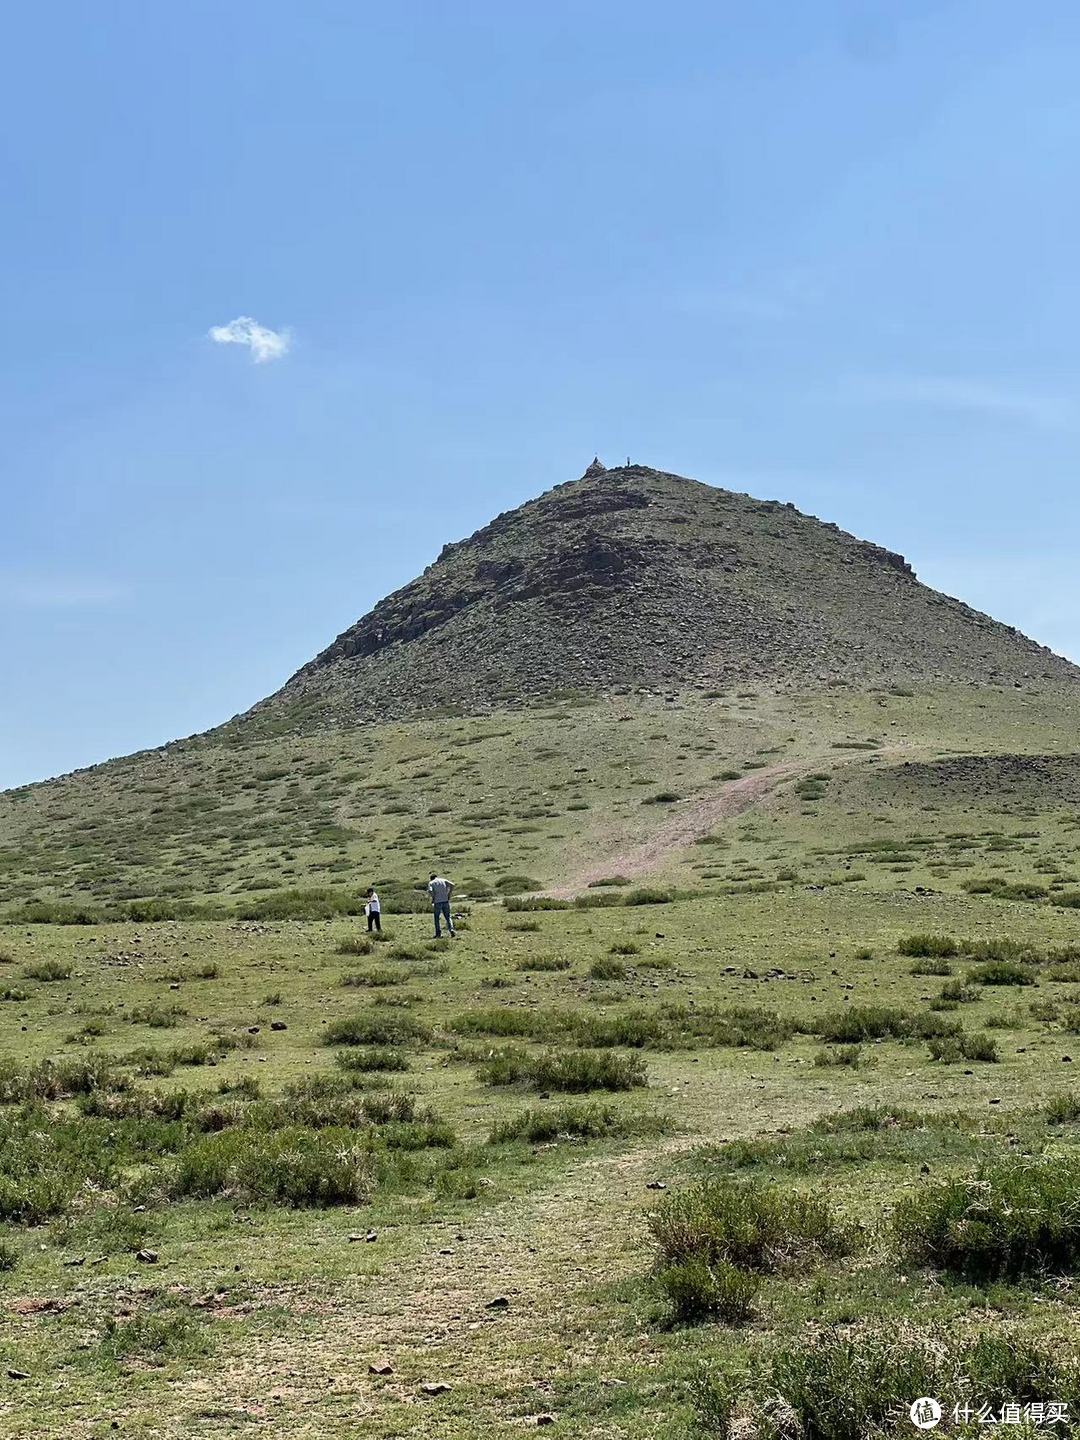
{"x":693,"y":819}
{"x":553,"y":1254}
{"x":430,"y":1317}
{"x":687,"y":823}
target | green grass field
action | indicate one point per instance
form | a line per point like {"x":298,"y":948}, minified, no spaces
{"x":583,"y":1162}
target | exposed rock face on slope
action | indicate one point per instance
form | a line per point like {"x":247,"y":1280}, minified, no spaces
{"x":632,"y":577}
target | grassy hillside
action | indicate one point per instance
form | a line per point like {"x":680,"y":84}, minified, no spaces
{"x":545,"y":797}
{"x":263,"y":1174}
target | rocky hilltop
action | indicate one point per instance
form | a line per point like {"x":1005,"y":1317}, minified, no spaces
{"x":633,"y":577}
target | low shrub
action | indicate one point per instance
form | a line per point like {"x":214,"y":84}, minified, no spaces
{"x":959,"y":992}
{"x":59,"y":1079}
{"x":1013,"y":1218}
{"x":839,"y":1385}
{"x":1062,"y":1110}
{"x":582,"y":1070}
{"x":656,"y":962}
{"x":301,"y":904}
{"x":158,"y":1017}
{"x":509,"y":1065}
{"x":751,"y":1226}
{"x":405,"y":952}
{"x":590,"y":1120}
{"x":1002,"y":972}
{"x":47,"y":970}
{"x":535,"y":902}
{"x":929,"y":946}
{"x":648,"y":895}
{"x":368,"y":1061}
{"x":502,"y":1020}
{"x":152,"y":1339}
{"x":607,"y":968}
{"x":549,"y":963}
{"x":1000,"y":948}
{"x":953,"y":1048}
{"x":371,"y":979}
{"x":696,"y":1289}
{"x":574,"y":1071}
{"x":880,"y":1022}
{"x":632,"y":1028}
{"x":38,"y":1180}
{"x":370,"y":1028}
{"x":293,"y":1166}
{"x":842,"y":1055}
{"x":737,"y":1026}
{"x":931,"y":967}
{"x":355,"y":945}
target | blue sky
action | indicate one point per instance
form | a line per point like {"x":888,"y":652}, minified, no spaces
{"x":823,"y":252}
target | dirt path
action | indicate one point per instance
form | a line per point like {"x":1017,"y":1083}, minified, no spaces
{"x":555,"y":1254}
{"x":693,"y":819}
{"x":430,"y":1317}
{"x":688,"y":822}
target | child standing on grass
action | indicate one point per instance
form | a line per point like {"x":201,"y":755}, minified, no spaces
{"x":373,"y":911}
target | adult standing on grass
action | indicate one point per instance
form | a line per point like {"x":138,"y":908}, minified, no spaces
{"x":373,"y":911}
{"x":440,"y":890}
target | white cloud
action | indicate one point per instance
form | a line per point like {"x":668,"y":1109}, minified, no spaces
{"x":264,"y":343}
{"x":972,"y":396}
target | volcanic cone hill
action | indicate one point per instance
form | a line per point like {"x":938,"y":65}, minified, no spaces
{"x":589,"y":686}
{"x":634,"y":577}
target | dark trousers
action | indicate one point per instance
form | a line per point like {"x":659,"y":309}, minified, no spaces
{"x":442,"y":912}
{"x":374,"y":922}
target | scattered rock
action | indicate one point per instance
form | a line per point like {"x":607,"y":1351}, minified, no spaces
{"x":380,"y":1367}
{"x":14,"y":1374}
{"x":434,"y":1387}
{"x":146,"y":1257}
{"x":500,"y":1302}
